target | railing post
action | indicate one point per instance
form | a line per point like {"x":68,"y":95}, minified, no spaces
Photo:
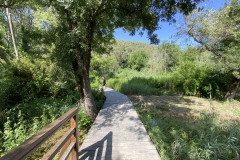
{"x":74,"y":137}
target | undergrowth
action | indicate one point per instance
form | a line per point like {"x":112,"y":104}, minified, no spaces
{"x":27,"y":118}
{"x":185,"y":80}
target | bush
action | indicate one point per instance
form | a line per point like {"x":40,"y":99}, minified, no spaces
{"x":22,"y":80}
{"x":22,"y":125}
{"x":84,"y":121}
{"x":28,"y":117}
{"x":27,"y":79}
{"x":190,"y":79}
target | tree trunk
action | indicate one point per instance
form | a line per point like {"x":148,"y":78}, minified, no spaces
{"x":232,"y":90}
{"x":89,"y":104}
{"x":81,"y":65}
{"x":78,"y":77}
{"x":11,"y":32}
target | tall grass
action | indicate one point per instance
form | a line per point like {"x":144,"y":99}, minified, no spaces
{"x":132,"y":82}
{"x":180,"y":137}
{"x":198,"y":81}
{"x":183,"y":137}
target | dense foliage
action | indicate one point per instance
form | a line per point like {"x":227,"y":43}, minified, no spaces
{"x":164,"y":70}
{"x":33,"y":94}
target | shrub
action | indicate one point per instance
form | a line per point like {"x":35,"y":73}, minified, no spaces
{"x":187,"y":79}
{"x":18,"y":129}
{"x":25,"y":80}
{"x":28,"y":117}
{"x":22,"y":80}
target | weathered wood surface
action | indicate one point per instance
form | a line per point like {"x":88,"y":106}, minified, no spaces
{"x":54,"y":150}
{"x":30,"y":145}
{"x":118,"y":133}
{"x":68,"y":151}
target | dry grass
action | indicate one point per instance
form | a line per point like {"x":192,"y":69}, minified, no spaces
{"x":187,"y":106}
{"x":186,"y":127}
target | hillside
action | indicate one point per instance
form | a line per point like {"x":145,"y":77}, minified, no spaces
{"x":127,"y":47}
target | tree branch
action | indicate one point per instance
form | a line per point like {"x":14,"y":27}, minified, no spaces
{"x":191,"y":34}
{"x":98,"y":11}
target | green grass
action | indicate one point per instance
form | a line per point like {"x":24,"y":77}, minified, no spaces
{"x":179,"y":133}
{"x":132,"y":82}
{"x":179,"y":128}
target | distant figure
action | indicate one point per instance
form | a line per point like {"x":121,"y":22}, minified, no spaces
{"x":104,"y":82}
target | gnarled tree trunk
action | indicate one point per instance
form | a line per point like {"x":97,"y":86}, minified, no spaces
{"x":81,"y":71}
{"x":89,"y":104}
{"x":78,"y":77}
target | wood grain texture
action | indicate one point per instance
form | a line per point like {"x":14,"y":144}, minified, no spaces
{"x":54,"y":150}
{"x":68,"y":151}
{"x":74,"y":137}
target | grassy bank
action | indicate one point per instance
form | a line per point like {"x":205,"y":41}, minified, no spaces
{"x":191,"y":127}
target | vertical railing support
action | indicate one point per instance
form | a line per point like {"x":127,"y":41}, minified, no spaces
{"x":74,"y":137}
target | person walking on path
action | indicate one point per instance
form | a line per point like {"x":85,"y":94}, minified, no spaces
{"x":104,"y":82}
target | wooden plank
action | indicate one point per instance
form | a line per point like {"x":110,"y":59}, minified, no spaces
{"x":36,"y":140}
{"x":72,"y":125}
{"x":54,"y":150}
{"x":68,"y":151}
{"x":64,"y":148}
{"x":74,"y":137}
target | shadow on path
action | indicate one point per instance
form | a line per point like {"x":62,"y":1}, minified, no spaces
{"x":97,"y":149}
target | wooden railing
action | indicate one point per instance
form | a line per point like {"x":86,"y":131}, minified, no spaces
{"x":68,"y":143}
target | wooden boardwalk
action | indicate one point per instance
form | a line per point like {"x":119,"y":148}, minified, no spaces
{"x":118,"y":133}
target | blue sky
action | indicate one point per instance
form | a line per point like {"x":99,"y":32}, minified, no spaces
{"x":167,"y":31}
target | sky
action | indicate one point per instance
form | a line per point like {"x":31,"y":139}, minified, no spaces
{"x":167,"y":32}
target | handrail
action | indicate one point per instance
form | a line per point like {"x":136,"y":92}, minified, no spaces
{"x":68,"y":142}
